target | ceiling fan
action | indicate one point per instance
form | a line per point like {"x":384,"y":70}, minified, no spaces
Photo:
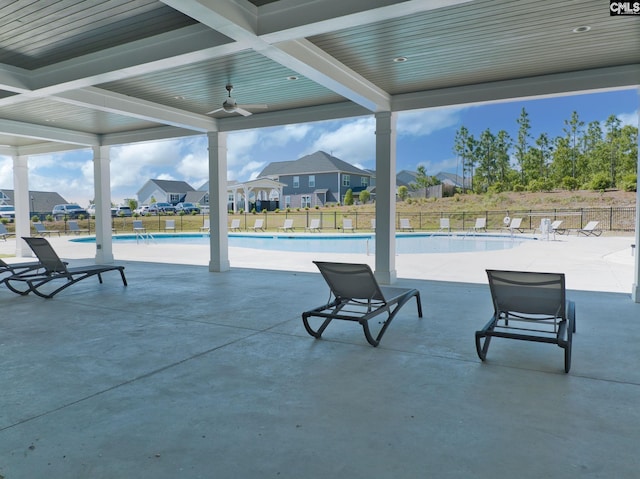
{"x":231,"y":106}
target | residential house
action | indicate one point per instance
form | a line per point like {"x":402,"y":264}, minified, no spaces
{"x":316,"y":179}
{"x":40,"y":202}
{"x":169,"y":191}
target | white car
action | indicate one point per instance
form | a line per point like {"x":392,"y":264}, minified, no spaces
{"x":7,"y":212}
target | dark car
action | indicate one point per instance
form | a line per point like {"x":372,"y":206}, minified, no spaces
{"x":161,"y":208}
{"x":71,"y":211}
{"x":187,"y":208}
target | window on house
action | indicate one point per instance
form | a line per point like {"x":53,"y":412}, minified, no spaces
{"x":296,"y":182}
{"x":287,"y":201}
{"x":174,"y":198}
{"x":364,"y":181}
{"x":306,"y":201}
{"x":312,"y":181}
{"x":346,"y":180}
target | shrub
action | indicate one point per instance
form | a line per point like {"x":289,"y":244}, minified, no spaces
{"x":49,"y":218}
{"x":569,"y":183}
{"x":629,"y":182}
{"x":35,"y":218}
{"x":600,"y":182}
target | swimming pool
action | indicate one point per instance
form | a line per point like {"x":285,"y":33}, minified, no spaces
{"x":415,"y":243}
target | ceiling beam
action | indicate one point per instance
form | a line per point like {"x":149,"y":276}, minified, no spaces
{"x":291,"y":19}
{"x":48,"y":133}
{"x":118,"y":103}
{"x":537,"y":87}
{"x":237,"y":20}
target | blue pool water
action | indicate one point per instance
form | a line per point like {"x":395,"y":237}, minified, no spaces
{"x":356,"y":243}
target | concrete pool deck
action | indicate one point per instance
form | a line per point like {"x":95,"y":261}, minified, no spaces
{"x":602,"y":263}
{"x":192,"y":374}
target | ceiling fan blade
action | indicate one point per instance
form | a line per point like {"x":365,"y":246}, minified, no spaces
{"x":243,"y":112}
{"x":214,"y":111}
{"x":255,"y":106}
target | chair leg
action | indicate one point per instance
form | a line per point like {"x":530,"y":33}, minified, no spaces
{"x":482,"y":346}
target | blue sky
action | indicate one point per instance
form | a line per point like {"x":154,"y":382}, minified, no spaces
{"x":425,"y":137}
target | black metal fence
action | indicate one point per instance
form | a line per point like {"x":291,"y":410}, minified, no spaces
{"x":609,"y":219}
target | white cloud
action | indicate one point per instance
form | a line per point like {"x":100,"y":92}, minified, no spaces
{"x":353,"y":142}
{"x":629,"y":118}
{"x":282,"y":136}
{"x":448,"y":164}
{"x":425,"y":122}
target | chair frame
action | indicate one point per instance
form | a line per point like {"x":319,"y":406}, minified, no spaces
{"x":258,"y":225}
{"x":74,"y":228}
{"x":314,"y":225}
{"x":287,"y":226}
{"x":347,"y":225}
{"x":405,"y":225}
{"x":550,"y":320}
{"x":235,"y":225}
{"x":590,"y":229}
{"x":41,"y":229}
{"x":50,"y":268}
{"x":358,"y":299}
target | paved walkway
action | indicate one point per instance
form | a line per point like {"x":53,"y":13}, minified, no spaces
{"x":590,"y":263}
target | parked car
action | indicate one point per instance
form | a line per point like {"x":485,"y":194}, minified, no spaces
{"x":123,"y":211}
{"x":71,"y":210}
{"x":142,"y":210}
{"x":187,"y":208}
{"x":161,"y":208}
{"x":8,"y":212}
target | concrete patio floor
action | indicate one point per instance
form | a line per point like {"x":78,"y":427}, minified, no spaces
{"x":192,"y":374}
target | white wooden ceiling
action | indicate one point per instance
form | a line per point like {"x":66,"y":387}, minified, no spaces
{"x":79,"y":73}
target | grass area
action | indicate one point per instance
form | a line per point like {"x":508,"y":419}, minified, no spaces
{"x":424,"y":212}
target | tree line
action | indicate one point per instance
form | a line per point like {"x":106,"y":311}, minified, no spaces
{"x":592,"y":156}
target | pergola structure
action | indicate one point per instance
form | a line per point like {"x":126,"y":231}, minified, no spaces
{"x":262,"y":189}
{"x":78,"y":74}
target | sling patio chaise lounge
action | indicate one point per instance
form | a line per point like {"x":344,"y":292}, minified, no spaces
{"x":357,"y":297}
{"x":53,"y":268}
{"x":591,"y":229}
{"x":529,"y":306}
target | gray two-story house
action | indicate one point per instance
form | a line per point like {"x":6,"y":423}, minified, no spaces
{"x":316,"y":179}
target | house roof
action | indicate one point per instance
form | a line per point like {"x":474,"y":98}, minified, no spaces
{"x":405,"y":177}
{"x":173,"y":186}
{"x":315,"y":163}
{"x":39,"y":201}
{"x":453,"y":179}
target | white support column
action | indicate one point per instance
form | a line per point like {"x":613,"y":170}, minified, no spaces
{"x":102,"y":191}
{"x":635,"y":289}
{"x":21,"y":203}
{"x":219,"y":242}
{"x":385,"y":269}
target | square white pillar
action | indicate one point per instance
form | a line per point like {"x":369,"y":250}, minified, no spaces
{"x":102,"y":191}
{"x":21,"y":204}
{"x":219,"y":242}
{"x":385,"y":263}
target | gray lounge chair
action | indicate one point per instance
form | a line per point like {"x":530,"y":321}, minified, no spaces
{"x":74,"y":228}
{"x":41,"y":230}
{"x":357,"y":297}
{"x":10,"y":269}
{"x":53,"y":268}
{"x":4,"y":233}
{"x":531,"y":307}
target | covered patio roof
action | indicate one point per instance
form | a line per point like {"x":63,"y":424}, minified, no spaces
{"x":77,"y":74}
